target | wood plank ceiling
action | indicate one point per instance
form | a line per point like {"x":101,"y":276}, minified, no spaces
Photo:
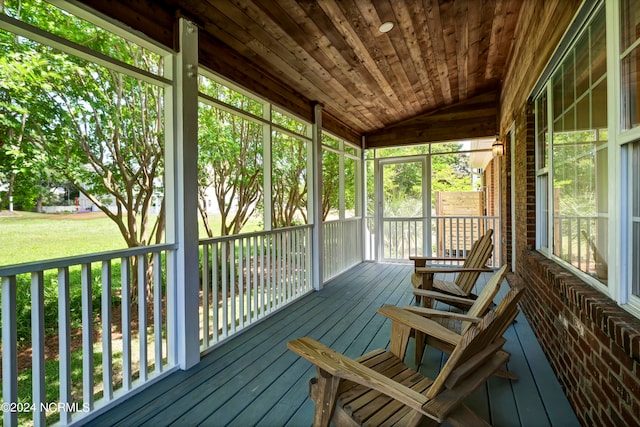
{"x":435,"y":75}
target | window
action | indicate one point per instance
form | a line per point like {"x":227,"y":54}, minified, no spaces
{"x":341,"y":170}
{"x":635,"y":221}
{"x":630,"y":63}
{"x":572,"y":156}
{"x":583,"y":149}
{"x":252,"y":161}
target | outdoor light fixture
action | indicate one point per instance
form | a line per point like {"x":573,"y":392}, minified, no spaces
{"x":385,"y":27}
{"x":497,"y":147}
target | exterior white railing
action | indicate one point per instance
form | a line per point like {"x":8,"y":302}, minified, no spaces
{"x":246,"y":277}
{"x":105,"y":349}
{"x":575,"y":242}
{"x":342,"y":245}
{"x":447,"y":236}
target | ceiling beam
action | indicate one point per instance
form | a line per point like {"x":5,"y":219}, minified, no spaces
{"x":473,"y":118}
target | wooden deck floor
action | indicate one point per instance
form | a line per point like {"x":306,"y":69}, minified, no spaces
{"x":254,"y":380}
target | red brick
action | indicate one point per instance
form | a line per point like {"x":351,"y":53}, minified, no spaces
{"x":623,"y":358}
{"x":630,"y":419}
{"x":621,"y":392}
{"x":631,"y":382}
{"x":610,"y":360}
{"x":615,"y":418}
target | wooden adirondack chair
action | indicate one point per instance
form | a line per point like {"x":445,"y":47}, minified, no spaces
{"x":507,"y":309}
{"x":454,"y":321}
{"x":379,"y":389}
{"x":468,"y":273}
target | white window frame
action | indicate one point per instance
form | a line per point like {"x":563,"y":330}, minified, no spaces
{"x":621,"y":174}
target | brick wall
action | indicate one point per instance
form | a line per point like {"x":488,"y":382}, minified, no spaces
{"x":592,"y":344}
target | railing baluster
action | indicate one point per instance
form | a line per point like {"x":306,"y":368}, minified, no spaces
{"x":125,"y":279}
{"x":289,"y":264}
{"x":232,"y":284}
{"x":9,"y":350}
{"x":142,"y":315}
{"x":157,"y":307}
{"x":268,"y":262}
{"x":263,"y":270}
{"x":64,"y":344}
{"x":241,"y":283}
{"x":107,"y":367}
{"x":37,"y":347}
{"x":214,"y":291}
{"x":205,"y":296}
{"x":225,"y":288}
{"x":248,"y":281}
{"x":255,"y":279}
{"x":87,"y":336}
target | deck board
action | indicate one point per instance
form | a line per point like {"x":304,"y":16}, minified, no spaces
{"x":254,"y":380}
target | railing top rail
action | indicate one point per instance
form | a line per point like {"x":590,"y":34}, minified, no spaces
{"x":576,"y":216}
{"x":420,"y":218}
{"x":334,"y":221}
{"x":50,"y":264}
{"x":254,"y":234}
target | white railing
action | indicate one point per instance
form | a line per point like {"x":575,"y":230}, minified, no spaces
{"x":342,"y":246}
{"x":247,"y":277}
{"x":448,"y":236}
{"x":104,"y":348}
{"x":576,"y":241}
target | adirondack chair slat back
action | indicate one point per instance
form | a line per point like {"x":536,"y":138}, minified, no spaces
{"x":479,"y":254}
{"x":485,"y":297}
{"x":475,"y":337}
{"x":479,"y":337}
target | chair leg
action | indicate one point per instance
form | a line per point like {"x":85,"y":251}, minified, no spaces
{"x":503,"y":373}
{"x":323,"y":390}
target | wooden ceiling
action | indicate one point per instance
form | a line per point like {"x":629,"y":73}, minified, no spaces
{"x":436,"y":75}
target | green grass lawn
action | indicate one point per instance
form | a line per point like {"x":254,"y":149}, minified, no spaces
{"x":28,"y":236}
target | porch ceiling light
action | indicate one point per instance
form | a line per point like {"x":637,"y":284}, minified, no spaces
{"x":497,"y":147}
{"x":385,"y":27}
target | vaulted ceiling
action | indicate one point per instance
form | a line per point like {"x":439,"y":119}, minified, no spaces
{"x":436,"y":74}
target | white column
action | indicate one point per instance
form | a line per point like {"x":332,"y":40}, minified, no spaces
{"x":182,"y":201}
{"x":361,"y":207}
{"x":267,"y":161}
{"x":315,"y":199}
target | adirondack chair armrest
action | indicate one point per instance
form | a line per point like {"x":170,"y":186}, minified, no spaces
{"x":338,"y":365}
{"x":452,"y":269}
{"x":443,"y":297}
{"x":431,"y":312}
{"x":421,"y":261}
{"x":419,"y":323}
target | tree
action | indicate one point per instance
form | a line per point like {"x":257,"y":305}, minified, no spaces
{"x":330,"y":182}
{"x":229,"y":159}
{"x":289,"y":180}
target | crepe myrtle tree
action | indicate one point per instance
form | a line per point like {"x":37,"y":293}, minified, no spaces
{"x":229,"y":162}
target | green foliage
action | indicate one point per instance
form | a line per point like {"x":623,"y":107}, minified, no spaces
{"x":230,"y":161}
{"x":289,"y":178}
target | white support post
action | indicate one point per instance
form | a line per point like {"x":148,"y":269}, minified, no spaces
{"x":268,"y":166}
{"x":315,"y":200}
{"x":361,"y":206}
{"x":182,"y":201}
